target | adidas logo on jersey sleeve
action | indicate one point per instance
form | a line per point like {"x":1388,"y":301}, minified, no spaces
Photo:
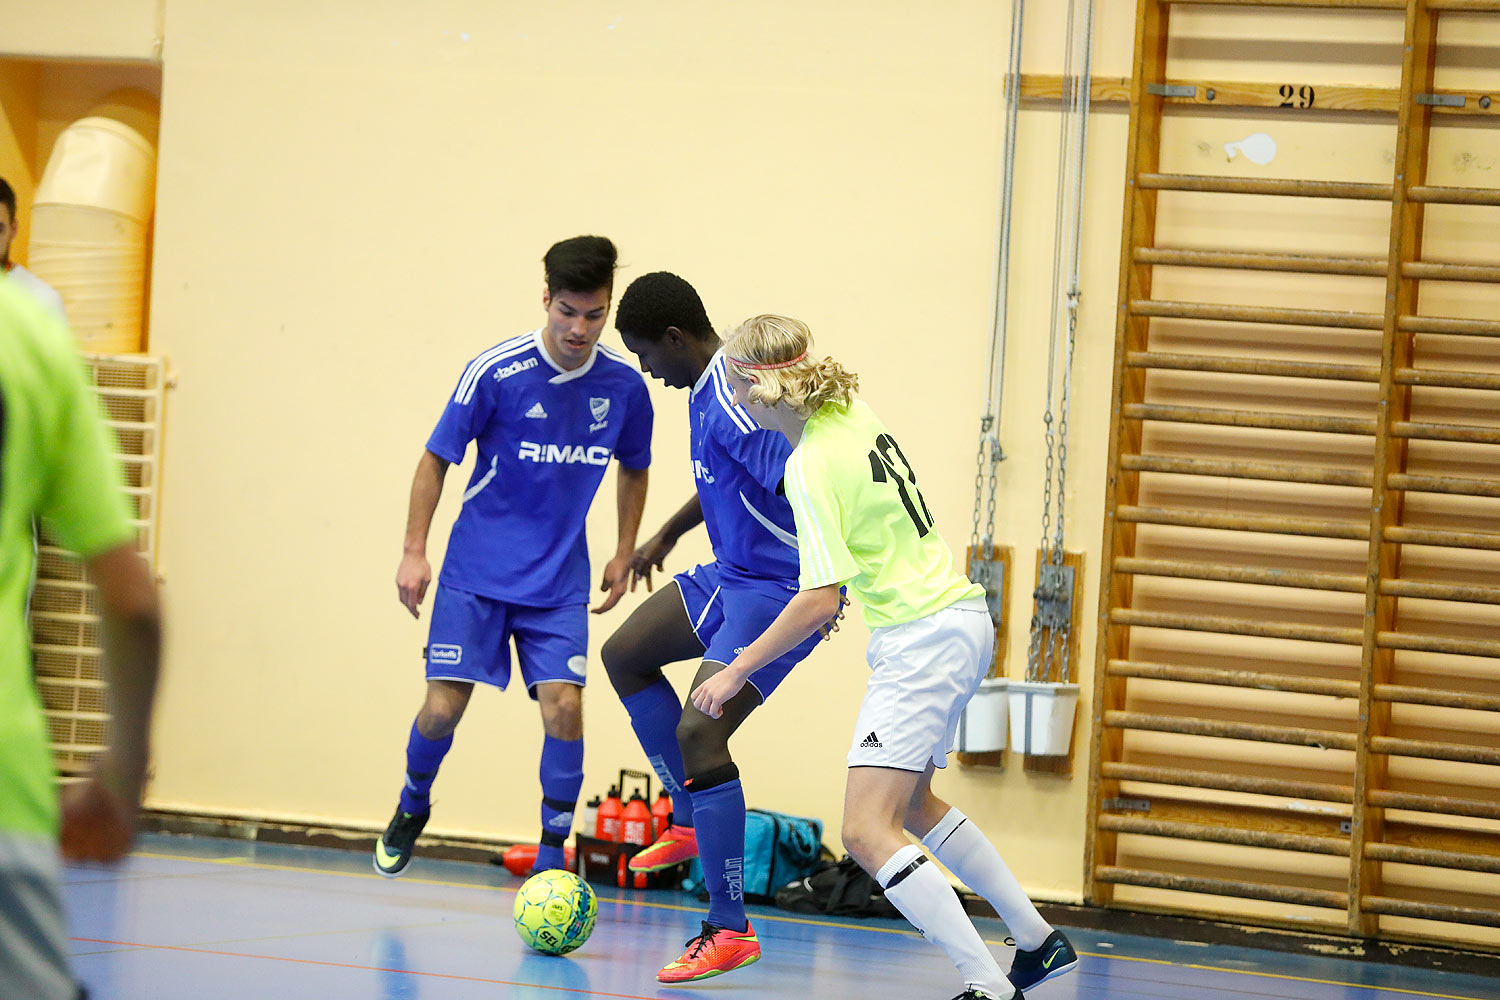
{"x":871,"y":741}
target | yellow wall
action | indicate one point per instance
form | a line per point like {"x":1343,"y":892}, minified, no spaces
{"x":350,"y":207}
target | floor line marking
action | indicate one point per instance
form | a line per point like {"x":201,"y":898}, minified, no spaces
{"x":362,"y":968}
{"x":241,"y":862}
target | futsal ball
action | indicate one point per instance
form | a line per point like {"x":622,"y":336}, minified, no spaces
{"x":555,"y":912}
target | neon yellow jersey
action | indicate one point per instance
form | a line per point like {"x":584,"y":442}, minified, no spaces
{"x":862,"y":521}
{"x":56,"y":464}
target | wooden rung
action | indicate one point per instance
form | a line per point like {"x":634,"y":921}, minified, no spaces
{"x":1409,"y":695}
{"x":1447,"y":379}
{"x":1269,"y":524}
{"x":1307,"y":843}
{"x":1453,"y":195}
{"x":1474,"y":433}
{"x":1449,"y":325}
{"x":1429,"y":911}
{"x":1471,"y":593}
{"x":1244,"y":261}
{"x":1432,"y":858}
{"x":1234,"y":678}
{"x":1318,"y":475}
{"x":1260,"y":185}
{"x":48,"y":647}
{"x":1189,"y":778}
{"x":1221,"y":887}
{"x":1438,"y":644}
{"x":1469,"y":6}
{"x":1319,"y":423}
{"x":1324,"y":4}
{"x":1441,"y":805}
{"x":1431,"y":270}
{"x":1487,"y":540}
{"x":1338,"y":319}
{"x":1236,"y":626}
{"x":1430,"y":750}
{"x":1252,"y":366}
{"x":1229,"y":573}
{"x":1323,"y":739}
{"x":1454,"y":485}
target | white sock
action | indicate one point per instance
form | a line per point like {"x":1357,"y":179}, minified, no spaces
{"x":967,"y":853}
{"x":925,"y":898}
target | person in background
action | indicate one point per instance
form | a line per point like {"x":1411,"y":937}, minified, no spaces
{"x":34,"y":286}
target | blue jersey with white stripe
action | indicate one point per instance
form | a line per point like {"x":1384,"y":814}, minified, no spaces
{"x":737,"y":468}
{"x":544,"y":437}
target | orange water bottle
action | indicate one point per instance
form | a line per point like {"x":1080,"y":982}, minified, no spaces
{"x":637,"y":821}
{"x":610,"y":812}
{"x":661,"y":815}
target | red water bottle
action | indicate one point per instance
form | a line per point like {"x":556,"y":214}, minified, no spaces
{"x":610,"y":812}
{"x":637,"y":821}
{"x":661,"y":815}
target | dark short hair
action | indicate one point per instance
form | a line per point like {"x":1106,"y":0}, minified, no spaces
{"x":581,"y":264}
{"x":8,"y":197}
{"x":658,"y":300}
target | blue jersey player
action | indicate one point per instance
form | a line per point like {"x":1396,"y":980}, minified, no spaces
{"x":546,"y":411}
{"x":710,"y":612}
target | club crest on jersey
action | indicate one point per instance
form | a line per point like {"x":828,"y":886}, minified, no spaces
{"x":562,"y":454}
{"x":599,"y":407}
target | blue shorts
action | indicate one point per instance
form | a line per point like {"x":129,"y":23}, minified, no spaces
{"x":728,"y":618}
{"x":469,"y":640}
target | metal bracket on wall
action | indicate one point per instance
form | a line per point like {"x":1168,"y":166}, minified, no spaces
{"x":994,"y":587}
{"x":1171,"y":90}
{"x":1054,"y":597}
{"x":1127,"y":805}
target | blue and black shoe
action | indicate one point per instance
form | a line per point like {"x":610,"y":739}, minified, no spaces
{"x":1055,"y":957}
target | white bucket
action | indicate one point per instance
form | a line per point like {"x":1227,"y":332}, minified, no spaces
{"x":1041,"y":717}
{"x":982,"y":727}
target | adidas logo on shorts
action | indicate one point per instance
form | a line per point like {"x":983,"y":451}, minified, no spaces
{"x":871,"y":741}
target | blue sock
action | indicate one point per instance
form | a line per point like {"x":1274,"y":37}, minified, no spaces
{"x":720,"y":812}
{"x":654,"y":713}
{"x":423,"y":758}
{"x":562,"y":777}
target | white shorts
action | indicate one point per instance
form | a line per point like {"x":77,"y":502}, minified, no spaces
{"x":923,"y":674}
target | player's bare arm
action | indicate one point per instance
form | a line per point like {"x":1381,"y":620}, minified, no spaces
{"x":651,"y":554}
{"x":803,"y":615}
{"x":630,"y":501}
{"x":415,"y":572}
{"x":99,"y":814}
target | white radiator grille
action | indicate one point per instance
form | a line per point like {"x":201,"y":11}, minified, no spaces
{"x":64,"y":611}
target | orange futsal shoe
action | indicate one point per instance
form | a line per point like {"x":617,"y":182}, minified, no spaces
{"x":713,"y":953}
{"x":675,"y":845}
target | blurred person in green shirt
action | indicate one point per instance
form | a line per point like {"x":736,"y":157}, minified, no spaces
{"x":56,"y":466}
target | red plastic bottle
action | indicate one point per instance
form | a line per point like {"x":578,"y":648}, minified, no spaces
{"x":637,"y":821}
{"x":610,"y":810}
{"x":661,"y":815}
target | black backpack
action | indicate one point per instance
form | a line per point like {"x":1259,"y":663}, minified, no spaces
{"x":837,"y":889}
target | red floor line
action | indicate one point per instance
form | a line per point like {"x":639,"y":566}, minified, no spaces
{"x":362,"y":968}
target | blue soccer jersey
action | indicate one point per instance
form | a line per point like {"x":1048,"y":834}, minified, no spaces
{"x":544,"y":438}
{"x":737,"y":468}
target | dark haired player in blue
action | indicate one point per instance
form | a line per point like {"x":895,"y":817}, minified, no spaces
{"x":711,"y":611}
{"x":546,"y":411}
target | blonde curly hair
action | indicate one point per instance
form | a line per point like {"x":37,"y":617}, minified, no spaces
{"x":771,"y":352}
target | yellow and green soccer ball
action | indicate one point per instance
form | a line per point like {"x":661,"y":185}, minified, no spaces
{"x":555,"y":912}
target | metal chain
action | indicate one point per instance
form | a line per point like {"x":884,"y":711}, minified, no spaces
{"x":979,"y":566}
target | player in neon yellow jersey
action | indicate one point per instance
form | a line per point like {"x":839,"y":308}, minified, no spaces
{"x":862,"y":521}
{"x":55,"y":464}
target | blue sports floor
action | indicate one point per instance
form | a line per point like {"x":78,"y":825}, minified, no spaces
{"x":195,"y":918}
